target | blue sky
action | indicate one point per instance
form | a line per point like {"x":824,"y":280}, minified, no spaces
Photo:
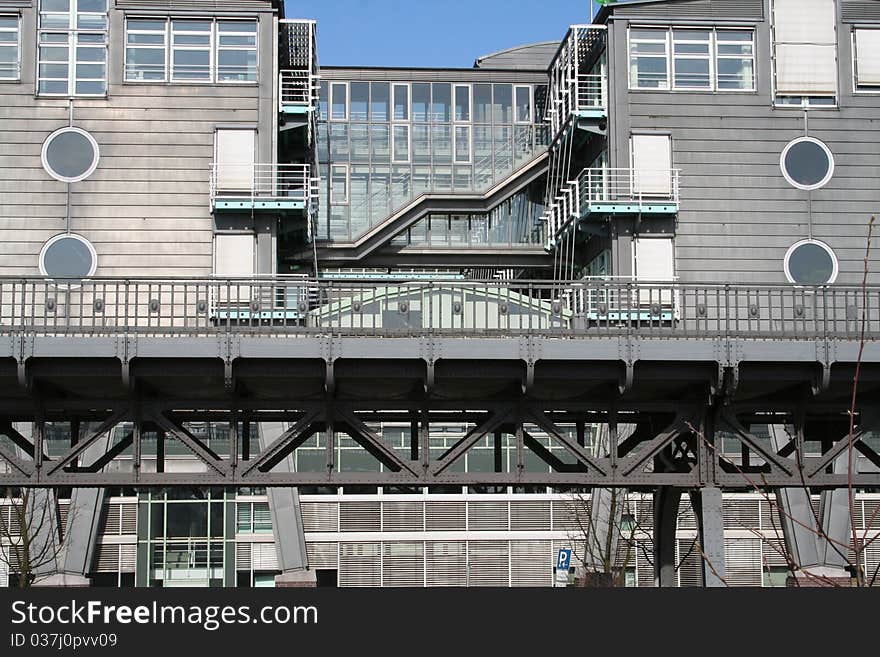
{"x":449,"y":33}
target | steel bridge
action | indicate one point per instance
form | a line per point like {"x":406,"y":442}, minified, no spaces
{"x":678,"y":365}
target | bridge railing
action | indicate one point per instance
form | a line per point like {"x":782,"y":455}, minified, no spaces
{"x":458,"y":307}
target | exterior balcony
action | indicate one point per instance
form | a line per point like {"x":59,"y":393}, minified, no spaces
{"x":606,"y":191}
{"x":270,"y":187}
{"x":578,"y":92}
{"x":298,"y":66}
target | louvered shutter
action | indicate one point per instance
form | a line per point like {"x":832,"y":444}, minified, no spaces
{"x":403,"y":564}
{"x":320,"y":516}
{"x":487,"y":516}
{"x":530,"y":516}
{"x":446,"y":563}
{"x":489,"y":563}
{"x":531,"y":563}
{"x":868,"y":56}
{"x":323,"y":555}
{"x":359,"y":564}
{"x":806,"y":47}
{"x":652,"y":165}
{"x":743,"y":562}
{"x":235,"y":150}
{"x":403,"y":516}
{"x":445,"y":516}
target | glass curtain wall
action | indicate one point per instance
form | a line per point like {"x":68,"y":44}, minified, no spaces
{"x":389,"y":142}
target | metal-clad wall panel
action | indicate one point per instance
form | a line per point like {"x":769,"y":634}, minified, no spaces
{"x":446,"y":563}
{"x":360,"y":564}
{"x":696,"y":9}
{"x":531,"y":563}
{"x":403,"y":564}
{"x":488,"y":563}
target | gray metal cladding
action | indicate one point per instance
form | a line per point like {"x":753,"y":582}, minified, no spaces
{"x":860,"y":10}
{"x":146,"y":207}
{"x":738,"y":214}
{"x":529,"y":57}
{"x":681,"y":9}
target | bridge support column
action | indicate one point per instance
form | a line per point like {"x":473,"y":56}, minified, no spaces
{"x":666,"y":502}
{"x":707,"y":504}
{"x":287,"y":523}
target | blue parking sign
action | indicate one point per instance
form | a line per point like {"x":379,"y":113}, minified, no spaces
{"x":563,"y":561}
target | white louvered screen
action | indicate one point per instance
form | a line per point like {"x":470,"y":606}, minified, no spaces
{"x":686,"y":517}
{"x":743,"y":562}
{"x":359,"y":564}
{"x":403,"y":564}
{"x":652,"y":165}
{"x":320,"y":516}
{"x":445,"y":516}
{"x":869,"y":515}
{"x":242,"y":556}
{"x":773,"y":552}
{"x":569,"y":515}
{"x":359,"y":517}
{"x":645,"y":563}
{"x":488,"y":563}
{"x":127,"y":558}
{"x":446,"y":563}
{"x":243,"y":517}
{"x":740,"y":513}
{"x":403,"y":516}
{"x":128,"y":518}
{"x":868,"y":56}
{"x":806,"y":47}
{"x":690,"y":570}
{"x":530,"y":516}
{"x":112,"y":519}
{"x":264,"y":556}
{"x":531,"y":563}
{"x":63,"y":512}
{"x":108,"y":559}
{"x":323,"y":555}
{"x":487,"y":516}
{"x":4,"y":572}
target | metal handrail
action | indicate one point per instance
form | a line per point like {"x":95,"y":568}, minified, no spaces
{"x":261,"y":181}
{"x":291,"y":305}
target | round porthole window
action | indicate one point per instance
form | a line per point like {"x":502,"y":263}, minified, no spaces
{"x":68,"y":256}
{"x":810,"y":262}
{"x":807,"y":163}
{"x":70,"y":155}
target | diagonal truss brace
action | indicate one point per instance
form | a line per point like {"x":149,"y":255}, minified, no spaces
{"x":286,"y":442}
{"x":470,"y":439}
{"x":210,"y":458}
{"x":84,"y":443}
{"x":731,"y":422}
{"x":576,"y":450}
{"x":372,"y":442}
{"x":678,"y":426}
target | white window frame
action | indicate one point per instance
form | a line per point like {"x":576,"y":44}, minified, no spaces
{"x":61,"y":236}
{"x":73,"y":33}
{"x":164,"y":47}
{"x":717,"y":56}
{"x":792,"y":181}
{"x":173,"y":48}
{"x":347,"y":198}
{"x":530,"y":91}
{"x":455,"y":138}
{"x":95,"y":160}
{"x":16,"y":73}
{"x":394,"y":86}
{"x":215,"y":69}
{"x":710,"y":57}
{"x":394,"y":128}
{"x":330,"y":100}
{"x":836,"y":265}
{"x":857,"y":88}
{"x":713,"y":58}
{"x":470,"y":103}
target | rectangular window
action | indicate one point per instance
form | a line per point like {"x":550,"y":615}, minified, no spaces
{"x":692,"y":64}
{"x":339,"y":183}
{"x":10,"y":48}
{"x":191,"y":50}
{"x":400,"y":137}
{"x":805,"y":47}
{"x":72,"y":52}
{"x":502,"y":105}
{"x":523,"y":100}
{"x":462,"y":143}
{"x":236,"y":51}
{"x":735,"y":57}
{"x":338,"y":101}
{"x":867,"y":59}
{"x":441,"y":100}
{"x":648,"y":58}
{"x":692,"y":59}
{"x":401,"y":102}
{"x":462,"y":102}
{"x":360,"y":100}
{"x":201,"y":51}
{"x":145,"y":50}
{"x":652,"y":165}
{"x":482,"y":103}
{"x":379,"y":101}
{"x":421,"y":99}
